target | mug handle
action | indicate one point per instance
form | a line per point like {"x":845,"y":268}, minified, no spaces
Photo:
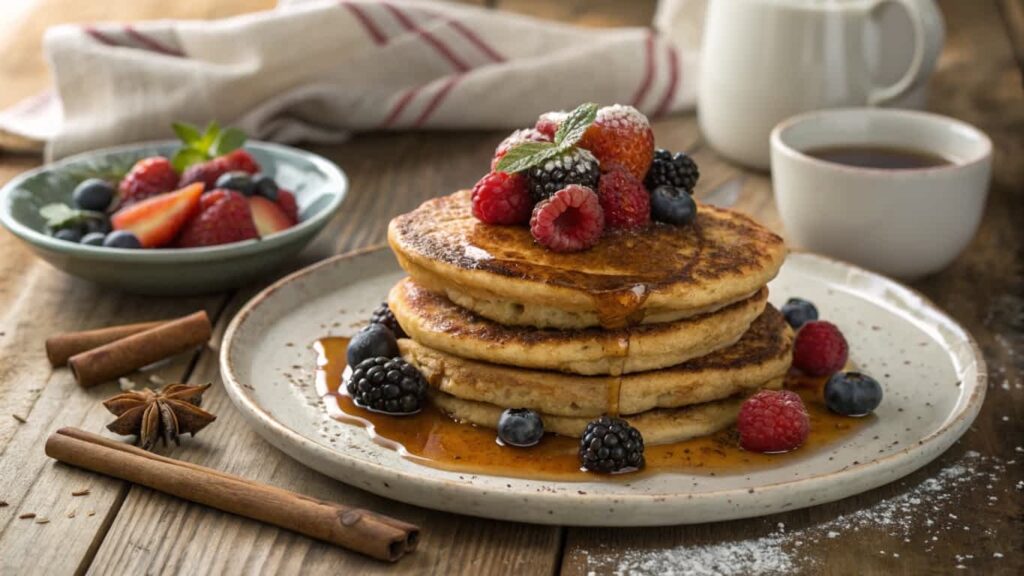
{"x":929,"y":33}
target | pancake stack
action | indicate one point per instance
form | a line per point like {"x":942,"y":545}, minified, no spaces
{"x":669,"y":327}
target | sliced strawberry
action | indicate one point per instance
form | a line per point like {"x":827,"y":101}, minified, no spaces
{"x":268,"y":216}
{"x":158,"y":220}
{"x":225,"y":218}
{"x":286,"y":201}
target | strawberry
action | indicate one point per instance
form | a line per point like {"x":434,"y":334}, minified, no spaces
{"x":226,"y":218}
{"x":147,"y":178}
{"x":208,"y":172}
{"x":268,"y":216}
{"x":156,"y":221}
{"x":286,"y":201}
{"x":621,"y":136}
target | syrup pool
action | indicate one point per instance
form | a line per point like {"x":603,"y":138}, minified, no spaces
{"x":433,"y":439}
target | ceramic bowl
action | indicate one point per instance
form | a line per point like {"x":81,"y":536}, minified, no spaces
{"x":904,"y":223}
{"x":319,"y":186}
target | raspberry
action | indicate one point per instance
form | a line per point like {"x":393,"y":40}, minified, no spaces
{"x":514,"y":139}
{"x":224,"y":217}
{"x":773,"y":421}
{"x":820,"y":349}
{"x":625,"y":202}
{"x":621,"y":136}
{"x":208,"y":172}
{"x":501,"y":198}
{"x":569,"y":221}
{"x":549,"y":122}
{"x":147,"y":178}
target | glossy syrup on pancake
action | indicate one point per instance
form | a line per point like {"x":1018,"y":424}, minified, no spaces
{"x":722,"y":251}
{"x":433,"y":439}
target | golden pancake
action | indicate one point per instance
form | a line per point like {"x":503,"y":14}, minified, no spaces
{"x":434,"y":321}
{"x":659,"y":274}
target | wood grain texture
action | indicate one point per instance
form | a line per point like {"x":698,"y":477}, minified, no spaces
{"x":134,"y":529}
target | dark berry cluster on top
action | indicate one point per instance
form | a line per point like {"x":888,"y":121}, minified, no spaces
{"x":551,"y":177}
{"x":381,"y":379}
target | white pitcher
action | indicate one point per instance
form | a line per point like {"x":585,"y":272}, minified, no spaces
{"x":763,"y":61}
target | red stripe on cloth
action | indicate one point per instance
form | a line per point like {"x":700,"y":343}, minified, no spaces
{"x":150,"y":43}
{"x":648,"y":78}
{"x":429,"y":38}
{"x":435,"y":102}
{"x":399,"y":106}
{"x":100,"y":36}
{"x":673,"y":81}
{"x":378,"y":37}
{"x":474,"y":38}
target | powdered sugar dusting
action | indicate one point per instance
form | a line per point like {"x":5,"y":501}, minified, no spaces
{"x":782,"y":551}
{"x":621,"y":116}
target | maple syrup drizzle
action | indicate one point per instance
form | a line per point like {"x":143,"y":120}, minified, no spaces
{"x":434,"y":439}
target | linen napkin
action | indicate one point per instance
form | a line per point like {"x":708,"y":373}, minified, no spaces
{"x":317,"y":70}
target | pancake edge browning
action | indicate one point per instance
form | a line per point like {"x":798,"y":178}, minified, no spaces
{"x":464,"y":276}
{"x":436,"y":322}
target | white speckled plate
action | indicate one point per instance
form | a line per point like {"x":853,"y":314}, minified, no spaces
{"x":932,"y":372}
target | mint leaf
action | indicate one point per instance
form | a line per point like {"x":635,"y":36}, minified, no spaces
{"x":575,"y":125}
{"x":525,"y":155}
{"x":229,"y":140}
{"x":58,"y":215}
{"x":210,"y":136}
{"x":188,"y":133}
{"x":186,"y":157}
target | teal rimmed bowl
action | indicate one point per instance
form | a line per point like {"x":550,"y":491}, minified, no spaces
{"x":319,"y":186}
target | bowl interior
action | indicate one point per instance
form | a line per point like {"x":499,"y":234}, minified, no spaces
{"x":946,"y":137}
{"x":319,"y":187}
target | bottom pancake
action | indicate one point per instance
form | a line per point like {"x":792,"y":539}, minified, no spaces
{"x":660,"y":426}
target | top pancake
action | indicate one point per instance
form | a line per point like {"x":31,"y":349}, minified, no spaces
{"x":660,"y":274}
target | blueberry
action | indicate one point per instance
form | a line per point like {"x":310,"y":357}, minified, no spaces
{"x":122,"y":239}
{"x":99,"y":224}
{"x":672,"y":205}
{"x":265,"y":186}
{"x":93,"y":194}
{"x":799,"y":312}
{"x":370,"y":342}
{"x":68,"y":235}
{"x":94,"y":239}
{"x":240,"y":181}
{"x":852,"y":394}
{"x":520,"y":427}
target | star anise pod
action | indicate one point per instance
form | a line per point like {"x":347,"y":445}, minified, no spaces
{"x":164,"y":415}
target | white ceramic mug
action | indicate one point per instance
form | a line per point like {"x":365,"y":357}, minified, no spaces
{"x":901,"y":222}
{"x":765,"y":60}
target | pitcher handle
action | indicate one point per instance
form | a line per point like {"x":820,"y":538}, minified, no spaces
{"x":929,"y":33}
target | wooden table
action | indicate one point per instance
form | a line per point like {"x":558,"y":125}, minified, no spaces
{"x":964,"y":510}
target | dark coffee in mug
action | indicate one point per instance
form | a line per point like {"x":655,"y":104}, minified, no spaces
{"x":880,"y":157}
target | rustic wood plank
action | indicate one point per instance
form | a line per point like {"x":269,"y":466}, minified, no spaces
{"x":977,"y":526}
{"x":391,"y":173}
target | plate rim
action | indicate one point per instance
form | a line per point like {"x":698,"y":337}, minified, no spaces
{"x":932,"y":445}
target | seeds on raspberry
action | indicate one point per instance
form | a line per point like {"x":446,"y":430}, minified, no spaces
{"x":574,"y":166}
{"x":773,"y":421}
{"x":500,"y":198}
{"x":820,"y":349}
{"x":570,"y":221}
{"x":625,"y":202}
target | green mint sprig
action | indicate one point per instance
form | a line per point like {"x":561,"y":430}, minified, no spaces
{"x":529,"y":154}
{"x":200,"y":146}
{"x":59,"y":216}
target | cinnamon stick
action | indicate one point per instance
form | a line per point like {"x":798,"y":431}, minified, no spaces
{"x":353,"y":528}
{"x":128,"y":354}
{"x":63,"y":346}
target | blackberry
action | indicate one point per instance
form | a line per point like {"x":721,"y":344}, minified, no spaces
{"x":383,"y":315}
{"x":574,"y":166}
{"x":389,"y":385}
{"x":677,"y":170}
{"x":611,"y":445}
